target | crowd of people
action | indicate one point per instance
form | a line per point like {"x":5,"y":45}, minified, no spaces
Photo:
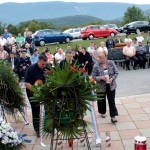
{"x":21,"y":52}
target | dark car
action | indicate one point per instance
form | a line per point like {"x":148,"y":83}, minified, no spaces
{"x":137,"y":26}
{"x":97,"y":31}
{"x":45,"y":36}
{"x":121,"y":29}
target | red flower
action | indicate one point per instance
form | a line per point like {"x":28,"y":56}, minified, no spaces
{"x":51,"y":71}
{"x":82,"y":70}
{"x":92,"y":80}
{"x":38,"y":81}
{"x":72,"y":69}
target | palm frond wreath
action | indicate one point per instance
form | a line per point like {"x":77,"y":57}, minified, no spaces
{"x":11,"y":95}
{"x":65,"y":95}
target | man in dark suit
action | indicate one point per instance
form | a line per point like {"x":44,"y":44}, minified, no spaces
{"x":15,"y":63}
{"x":110,"y":44}
{"x":68,"y":59}
{"x":25,"y":62}
{"x":118,"y":39}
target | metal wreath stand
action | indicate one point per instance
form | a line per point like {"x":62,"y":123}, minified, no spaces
{"x":57,"y":132}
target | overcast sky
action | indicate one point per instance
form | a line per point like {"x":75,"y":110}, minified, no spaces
{"x":125,"y":1}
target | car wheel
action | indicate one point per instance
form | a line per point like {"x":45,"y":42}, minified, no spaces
{"x":91,"y":37}
{"x":112,"y":34}
{"x":61,"y":42}
{"x":42,"y":43}
{"x":137,"y":31}
{"x":67,"y":40}
{"x":84,"y":38}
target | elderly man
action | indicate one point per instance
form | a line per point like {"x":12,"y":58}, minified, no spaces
{"x":118,"y":39}
{"x":11,"y":40}
{"x":130,"y":54}
{"x":141,"y":54}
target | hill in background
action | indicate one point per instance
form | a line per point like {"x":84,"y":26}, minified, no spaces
{"x":76,"y":20}
{"x":18,"y":12}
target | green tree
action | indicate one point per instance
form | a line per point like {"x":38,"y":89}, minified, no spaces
{"x":34,"y":26}
{"x":65,"y":28}
{"x":12,"y":29}
{"x":133,"y":14}
{"x":1,"y":28}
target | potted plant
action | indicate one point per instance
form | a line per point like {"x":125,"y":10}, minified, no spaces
{"x":65,"y":95}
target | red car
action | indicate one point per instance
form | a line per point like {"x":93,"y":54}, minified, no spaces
{"x":96,"y":31}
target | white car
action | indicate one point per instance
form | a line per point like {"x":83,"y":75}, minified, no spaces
{"x":75,"y":32}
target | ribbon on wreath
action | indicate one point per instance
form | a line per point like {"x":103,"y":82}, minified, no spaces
{"x":42,"y":115}
{"x":21,"y":137}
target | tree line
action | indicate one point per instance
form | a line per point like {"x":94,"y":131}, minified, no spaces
{"x":132,"y":14}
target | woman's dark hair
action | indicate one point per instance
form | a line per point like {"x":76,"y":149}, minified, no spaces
{"x":42,"y":57}
{"x":84,"y":48}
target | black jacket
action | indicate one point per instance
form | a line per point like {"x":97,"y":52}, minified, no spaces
{"x":16,"y":63}
{"x":64,"y":61}
{"x":110,"y":43}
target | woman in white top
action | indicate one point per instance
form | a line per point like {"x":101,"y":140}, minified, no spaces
{"x":103,"y":48}
{"x":59,"y":56}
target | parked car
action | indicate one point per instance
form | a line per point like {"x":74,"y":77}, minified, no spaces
{"x":121,"y":29}
{"x":45,"y":36}
{"x":113,"y":26}
{"x":137,"y":26}
{"x":96,"y":31}
{"x":75,"y":32}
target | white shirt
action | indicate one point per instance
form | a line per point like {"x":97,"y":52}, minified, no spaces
{"x":90,"y":49}
{"x":3,"y":41}
{"x":59,"y":57}
{"x":11,"y":40}
{"x":140,"y":38}
{"x":101,"y":49}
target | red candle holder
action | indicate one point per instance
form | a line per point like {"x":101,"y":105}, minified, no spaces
{"x":70,"y":142}
{"x":140,"y":143}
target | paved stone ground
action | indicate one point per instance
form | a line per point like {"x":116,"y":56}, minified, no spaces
{"x":134,"y":116}
{"x":133,"y":120}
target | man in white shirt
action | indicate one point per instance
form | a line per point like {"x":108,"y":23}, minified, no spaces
{"x":90,"y":49}
{"x":140,"y":37}
{"x":11,"y":40}
{"x":2,"y":41}
{"x":129,"y":53}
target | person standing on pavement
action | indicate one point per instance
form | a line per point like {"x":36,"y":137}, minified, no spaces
{"x":35,"y":72}
{"x":105,"y":73}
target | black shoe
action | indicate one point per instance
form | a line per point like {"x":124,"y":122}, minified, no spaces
{"x":134,"y":68}
{"x":113,"y":120}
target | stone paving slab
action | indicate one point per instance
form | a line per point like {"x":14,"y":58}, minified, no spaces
{"x":133,"y":120}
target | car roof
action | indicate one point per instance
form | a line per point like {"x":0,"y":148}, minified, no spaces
{"x":47,"y":29}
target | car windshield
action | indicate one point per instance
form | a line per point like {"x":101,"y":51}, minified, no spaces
{"x":130,"y":24}
{"x":84,"y":28}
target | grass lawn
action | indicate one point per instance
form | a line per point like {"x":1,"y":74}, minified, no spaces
{"x":85,"y":43}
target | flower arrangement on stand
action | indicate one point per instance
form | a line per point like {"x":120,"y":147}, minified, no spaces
{"x":11,"y":95}
{"x":9,"y":139}
{"x":66,"y":96}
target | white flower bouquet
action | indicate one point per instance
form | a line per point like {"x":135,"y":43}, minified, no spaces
{"x":9,"y":139}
